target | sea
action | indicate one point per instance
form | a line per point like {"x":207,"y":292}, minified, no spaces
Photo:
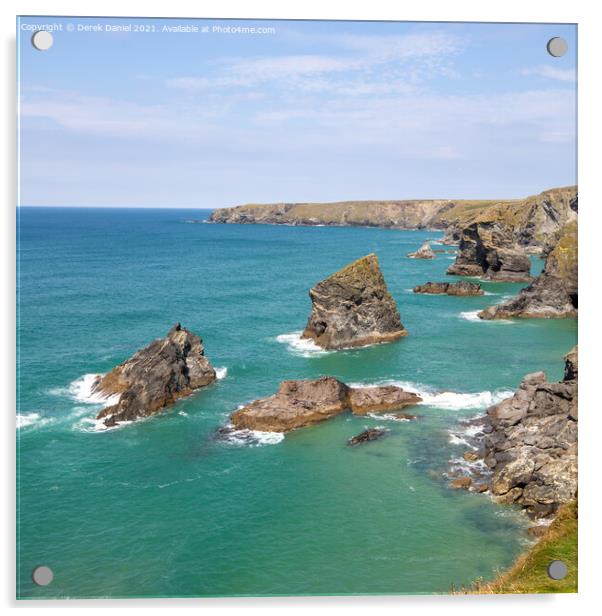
{"x":169,"y":507}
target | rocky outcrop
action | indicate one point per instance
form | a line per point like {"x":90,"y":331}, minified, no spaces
{"x":424,"y":252}
{"x":479,"y":256}
{"x":495,"y":242}
{"x":462,"y":288}
{"x":553,"y":294}
{"x":297,"y":404}
{"x":155,"y":377}
{"x":366,"y":436}
{"x":530,"y":443}
{"x":353,"y":307}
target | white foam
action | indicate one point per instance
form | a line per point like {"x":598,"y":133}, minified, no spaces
{"x":449,"y":400}
{"x":221,"y":373}
{"x":387,"y":417}
{"x":300,"y":346}
{"x":81,"y":390}
{"x":31,"y":419}
{"x":253,"y":438}
{"x":473,"y":315}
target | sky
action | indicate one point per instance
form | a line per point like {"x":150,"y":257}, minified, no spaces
{"x":293,"y":111}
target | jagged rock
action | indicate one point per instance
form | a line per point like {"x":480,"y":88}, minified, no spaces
{"x":553,"y":294}
{"x":495,"y":240}
{"x":353,"y":307}
{"x":470,"y":456}
{"x":462,"y":288}
{"x":461,"y":483}
{"x":302,"y":403}
{"x":532,"y":445}
{"x":480,"y":257}
{"x":424,"y":252}
{"x":155,"y":377}
{"x":368,"y":435}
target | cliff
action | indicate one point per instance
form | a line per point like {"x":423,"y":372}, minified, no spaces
{"x":554,"y":293}
{"x":409,"y":214}
{"x":497,"y":239}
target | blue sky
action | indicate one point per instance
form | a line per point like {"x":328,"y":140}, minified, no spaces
{"x":314,"y":111}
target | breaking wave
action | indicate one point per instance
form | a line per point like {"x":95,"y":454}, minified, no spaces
{"x":300,"y":346}
{"x":449,"y":400}
{"x":250,"y":438}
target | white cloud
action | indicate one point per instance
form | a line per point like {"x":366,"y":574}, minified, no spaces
{"x":405,"y":58}
{"x":551,"y":72}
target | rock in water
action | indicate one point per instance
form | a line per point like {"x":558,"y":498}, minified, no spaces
{"x":553,"y":294}
{"x":463,"y":288}
{"x":531,"y":442}
{"x":353,"y":307}
{"x":364,"y":400}
{"x":368,"y":435}
{"x":424,"y":252}
{"x":155,"y":377}
{"x":302,"y":403}
{"x":480,"y":256}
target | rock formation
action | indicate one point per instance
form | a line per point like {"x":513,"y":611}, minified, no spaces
{"x":302,"y":403}
{"x":155,"y":377}
{"x":424,"y":252}
{"x":353,"y":307}
{"x":495,"y":241}
{"x":366,"y":436}
{"x":530,"y":442}
{"x":553,"y":294}
{"x":462,"y":288}
{"x":480,"y":256}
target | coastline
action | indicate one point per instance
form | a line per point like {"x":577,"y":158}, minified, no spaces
{"x":528,"y":574}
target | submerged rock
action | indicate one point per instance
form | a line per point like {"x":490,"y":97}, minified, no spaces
{"x":367,"y":435}
{"x":302,"y":403}
{"x":532,"y":446}
{"x":155,"y":377}
{"x":463,"y":288}
{"x":424,"y":252}
{"x":553,"y":294}
{"x":353,"y":307}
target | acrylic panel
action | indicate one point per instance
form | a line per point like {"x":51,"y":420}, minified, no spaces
{"x":297,"y":308}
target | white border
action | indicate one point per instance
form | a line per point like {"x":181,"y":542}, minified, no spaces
{"x":590,"y":104}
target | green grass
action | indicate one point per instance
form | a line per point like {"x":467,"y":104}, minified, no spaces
{"x":529,"y":574}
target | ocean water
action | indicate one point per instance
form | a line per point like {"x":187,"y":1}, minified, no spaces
{"x":161,"y":507}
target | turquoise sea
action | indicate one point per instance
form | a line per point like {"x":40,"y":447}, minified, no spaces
{"x":160,"y":507}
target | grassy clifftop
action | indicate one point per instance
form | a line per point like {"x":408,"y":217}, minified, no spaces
{"x":529,"y":574}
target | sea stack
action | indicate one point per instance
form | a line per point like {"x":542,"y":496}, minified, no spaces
{"x":297,"y":404}
{"x":155,"y":377}
{"x":553,"y":294}
{"x":424,"y":252}
{"x":353,"y":308}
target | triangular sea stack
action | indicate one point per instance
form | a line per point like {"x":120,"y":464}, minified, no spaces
{"x":353,"y":307}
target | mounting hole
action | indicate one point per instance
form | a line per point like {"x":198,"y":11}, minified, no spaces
{"x":557,"y":570}
{"x":42,"y":40}
{"x":42,"y":576}
{"x":557,"y":47}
